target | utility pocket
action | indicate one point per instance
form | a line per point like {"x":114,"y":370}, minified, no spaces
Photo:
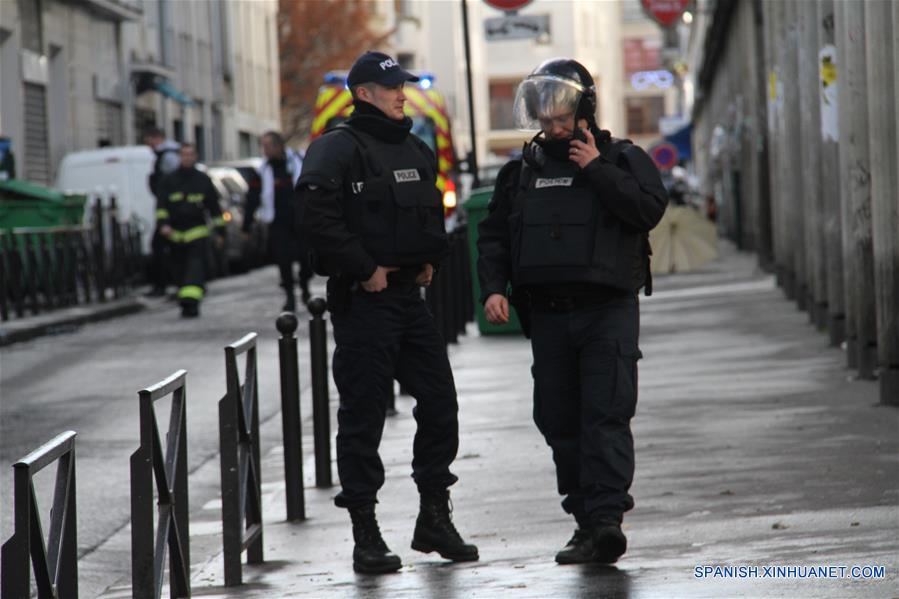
{"x":605,"y":246}
{"x":419,"y":220}
{"x":556,"y":232}
{"x":625,"y":402}
{"x":377,"y":212}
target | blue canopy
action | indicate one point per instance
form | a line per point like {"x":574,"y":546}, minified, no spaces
{"x":168,"y":90}
{"x":681,"y":139}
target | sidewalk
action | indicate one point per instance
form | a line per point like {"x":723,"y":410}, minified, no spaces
{"x":17,"y":329}
{"x":754,"y":447}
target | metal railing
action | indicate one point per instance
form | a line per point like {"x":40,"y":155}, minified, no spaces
{"x":56,"y":563}
{"x":48,"y":268}
{"x":170,"y":474}
{"x":240,"y":462}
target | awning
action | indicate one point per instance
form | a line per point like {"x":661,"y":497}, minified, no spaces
{"x":168,"y":90}
{"x":681,"y":139}
{"x":151,"y":79}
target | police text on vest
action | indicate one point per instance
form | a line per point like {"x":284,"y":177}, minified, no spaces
{"x":406,"y":175}
{"x":557,"y":182}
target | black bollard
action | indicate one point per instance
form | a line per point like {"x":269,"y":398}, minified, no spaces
{"x":290,"y":417}
{"x":391,"y":400}
{"x":321,"y":415}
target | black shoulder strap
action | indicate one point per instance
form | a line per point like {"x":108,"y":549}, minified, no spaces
{"x":525,"y":174}
{"x":429,"y":154}
{"x":369,"y":162}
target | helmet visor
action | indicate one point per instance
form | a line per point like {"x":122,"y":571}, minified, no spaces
{"x":541,"y":99}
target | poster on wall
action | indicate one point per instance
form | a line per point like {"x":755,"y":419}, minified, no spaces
{"x":830,"y":124}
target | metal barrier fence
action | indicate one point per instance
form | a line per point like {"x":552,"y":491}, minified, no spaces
{"x":47,"y":268}
{"x":170,"y":474}
{"x":240,"y":462}
{"x":450,"y":300}
{"x":55,"y":564}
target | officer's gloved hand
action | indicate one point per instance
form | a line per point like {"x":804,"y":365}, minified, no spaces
{"x":496,"y":308}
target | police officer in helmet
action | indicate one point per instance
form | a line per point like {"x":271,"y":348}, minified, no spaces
{"x":370,"y":210}
{"x":567,"y":231}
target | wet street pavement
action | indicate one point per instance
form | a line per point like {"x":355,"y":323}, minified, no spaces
{"x":754,"y":448}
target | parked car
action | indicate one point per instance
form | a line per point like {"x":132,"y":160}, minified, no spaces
{"x":244,"y":252}
{"x":247,"y":167}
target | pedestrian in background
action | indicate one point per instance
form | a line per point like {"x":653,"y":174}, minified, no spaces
{"x":271,"y":196}
{"x":188,"y":205}
{"x":372,"y":213}
{"x":568,"y":229}
{"x":167,"y":161}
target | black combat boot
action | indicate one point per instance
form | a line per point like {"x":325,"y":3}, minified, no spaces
{"x":371,"y":555}
{"x":609,"y":543}
{"x":434,"y":530}
{"x":579,"y":549}
{"x":190,"y":308}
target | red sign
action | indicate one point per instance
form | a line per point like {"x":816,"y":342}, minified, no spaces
{"x":664,"y":155}
{"x":508,"y":5}
{"x":665,"y":12}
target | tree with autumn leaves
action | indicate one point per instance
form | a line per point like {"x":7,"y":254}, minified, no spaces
{"x":314,"y":37}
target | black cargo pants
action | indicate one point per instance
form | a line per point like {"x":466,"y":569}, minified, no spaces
{"x":382,"y":337}
{"x":585,"y":394}
{"x":189,"y":268}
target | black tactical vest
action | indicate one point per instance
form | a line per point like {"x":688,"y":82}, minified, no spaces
{"x":393,"y":203}
{"x":560,"y":231}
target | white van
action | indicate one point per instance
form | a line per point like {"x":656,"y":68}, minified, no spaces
{"x":121,"y":171}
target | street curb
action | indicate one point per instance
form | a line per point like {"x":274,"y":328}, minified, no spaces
{"x":64,"y":320}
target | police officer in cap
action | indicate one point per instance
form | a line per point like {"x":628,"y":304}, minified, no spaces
{"x":567,"y":230}
{"x":370,"y":210}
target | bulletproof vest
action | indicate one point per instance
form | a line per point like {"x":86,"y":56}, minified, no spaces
{"x":561,"y":233}
{"x":558,"y":229}
{"x":393,"y":203}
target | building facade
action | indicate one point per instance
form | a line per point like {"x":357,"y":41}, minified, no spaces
{"x":428,"y":36}
{"x":80,"y":75}
{"x":795,"y":117}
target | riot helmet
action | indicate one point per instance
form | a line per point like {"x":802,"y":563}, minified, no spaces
{"x":557,"y":88}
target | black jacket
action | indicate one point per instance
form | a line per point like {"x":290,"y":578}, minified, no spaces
{"x":335,"y":173}
{"x":187,"y":198}
{"x":631,"y":192}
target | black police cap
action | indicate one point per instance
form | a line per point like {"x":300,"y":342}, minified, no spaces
{"x":377,"y":67}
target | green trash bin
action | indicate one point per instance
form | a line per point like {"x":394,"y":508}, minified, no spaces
{"x":24,"y":204}
{"x":476,"y":207}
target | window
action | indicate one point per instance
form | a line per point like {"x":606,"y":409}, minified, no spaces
{"x":32,"y":27}
{"x":502,"y":96}
{"x":244,"y":144}
{"x":641,"y":55}
{"x":200,"y":142}
{"x":178,"y":127}
{"x":632,"y":10}
{"x":643,"y":114}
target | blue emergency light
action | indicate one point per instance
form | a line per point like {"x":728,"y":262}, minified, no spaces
{"x":425,"y":80}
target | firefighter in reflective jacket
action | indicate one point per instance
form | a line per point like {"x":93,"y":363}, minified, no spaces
{"x":188,"y":203}
{"x":567,"y":228}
